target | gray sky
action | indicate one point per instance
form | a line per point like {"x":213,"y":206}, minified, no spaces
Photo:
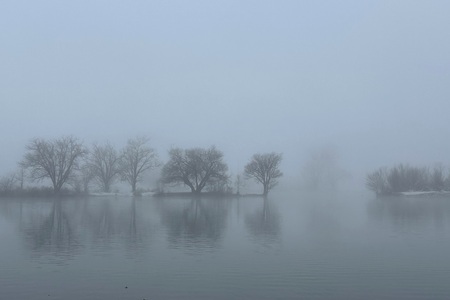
{"x":371,"y":78}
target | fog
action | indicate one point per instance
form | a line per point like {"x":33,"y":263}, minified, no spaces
{"x":366,"y":78}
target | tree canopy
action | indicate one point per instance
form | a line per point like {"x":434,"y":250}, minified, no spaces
{"x":196,"y":167}
{"x":264,"y":168}
{"x":53,"y":159}
{"x":103,"y":163}
{"x":135,"y":159}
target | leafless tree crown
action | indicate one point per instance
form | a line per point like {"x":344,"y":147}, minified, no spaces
{"x":103,"y":162}
{"x":53,"y":159}
{"x":195,"y":167}
{"x":135,"y":159}
{"x":264,"y":168}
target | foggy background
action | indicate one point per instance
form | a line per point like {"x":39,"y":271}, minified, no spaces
{"x":369,"y":79}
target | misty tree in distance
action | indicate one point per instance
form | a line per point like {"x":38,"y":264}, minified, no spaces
{"x":377,"y":181}
{"x":83,"y":178}
{"x":264,"y":168}
{"x":21,"y":175}
{"x":103,"y":162}
{"x":322,"y":169}
{"x":437,"y":178}
{"x":53,"y":159}
{"x":12,"y":182}
{"x":8,"y":183}
{"x":239,"y":183}
{"x":135,"y":159}
{"x":196,"y":168}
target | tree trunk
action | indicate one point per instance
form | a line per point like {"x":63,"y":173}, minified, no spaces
{"x":106,"y":188}
{"x":266,"y":189}
{"x":197,"y":191}
{"x":133,"y":187}
{"x":56,"y":187}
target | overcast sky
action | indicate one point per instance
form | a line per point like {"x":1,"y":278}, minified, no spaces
{"x":371,"y":78}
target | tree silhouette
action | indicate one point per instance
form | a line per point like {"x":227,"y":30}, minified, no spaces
{"x":195,"y":167}
{"x":137,"y":158}
{"x":53,"y":159}
{"x":264,"y":168}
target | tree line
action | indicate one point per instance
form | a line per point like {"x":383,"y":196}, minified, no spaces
{"x":406,"y":178}
{"x":67,"y":161}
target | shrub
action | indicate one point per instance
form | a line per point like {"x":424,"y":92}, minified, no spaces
{"x":405,"y":178}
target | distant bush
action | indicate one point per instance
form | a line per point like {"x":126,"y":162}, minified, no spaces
{"x":8,"y":185}
{"x":405,"y":178}
{"x":377,"y":181}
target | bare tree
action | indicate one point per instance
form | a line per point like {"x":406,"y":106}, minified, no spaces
{"x":377,"y":181}
{"x":264,"y":168}
{"x":437,"y":177}
{"x":54,"y":159}
{"x":103,"y":162}
{"x":82,"y":179}
{"x":195,"y":168}
{"x":135,"y":159}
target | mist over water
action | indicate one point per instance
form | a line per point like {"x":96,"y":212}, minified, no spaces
{"x":335,"y":90}
{"x":316,"y":245}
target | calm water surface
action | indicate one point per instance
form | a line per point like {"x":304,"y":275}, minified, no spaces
{"x":290,"y":246}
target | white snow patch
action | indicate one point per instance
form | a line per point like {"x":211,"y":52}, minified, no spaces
{"x":103,"y":194}
{"x":100,"y":194}
{"x":423,"y":193}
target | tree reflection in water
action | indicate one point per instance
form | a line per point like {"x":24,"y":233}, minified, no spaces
{"x":194,"y":223}
{"x":411,"y":212}
{"x":138,"y":230}
{"x":59,"y":229}
{"x":264,"y":224}
{"x":115,"y":222}
{"x":105,"y":224}
{"x":53,"y":234}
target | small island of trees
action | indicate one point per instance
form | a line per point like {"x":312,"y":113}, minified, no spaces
{"x":404,"y":178}
{"x":72,"y":168}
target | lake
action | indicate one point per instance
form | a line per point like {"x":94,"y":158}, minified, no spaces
{"x":289,"y":246}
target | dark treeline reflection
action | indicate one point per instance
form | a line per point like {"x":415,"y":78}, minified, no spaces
{"x":411,"y":212}
{"x":63,"y":227}
{"x":195,"y":222}
{"x":52,"y":232}
{"x":111,"y":221}
{"x":264,"y":223}
{"x":56,"y":230}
